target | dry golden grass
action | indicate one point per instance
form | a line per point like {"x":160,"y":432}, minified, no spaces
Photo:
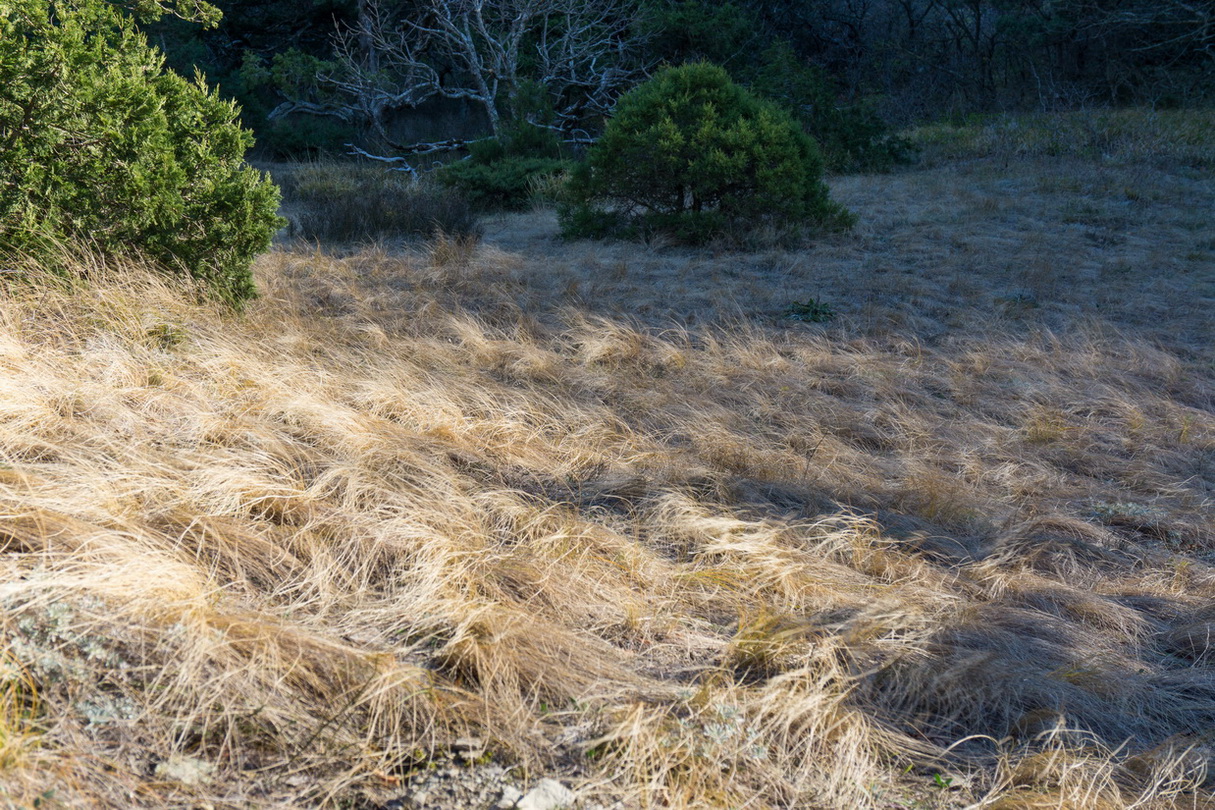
{"x":603,"y":506}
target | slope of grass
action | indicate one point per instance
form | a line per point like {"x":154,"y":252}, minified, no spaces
{"x":606,"y":508}
{"x":1163,"y":138}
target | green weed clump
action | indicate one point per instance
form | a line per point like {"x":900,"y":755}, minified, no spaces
{"x":345,"y":202}
{"x":810,"y":311}
{"x":695,"y":156}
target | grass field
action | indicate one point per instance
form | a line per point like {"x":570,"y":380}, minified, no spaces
{"x":919,"y":516}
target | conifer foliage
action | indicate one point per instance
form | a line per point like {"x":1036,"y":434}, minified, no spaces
{"x":98,"y":142}
{"x":694,"y":155}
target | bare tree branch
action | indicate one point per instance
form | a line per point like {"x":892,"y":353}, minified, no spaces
{"x":309,"y":108}
{"x":400,"y":56}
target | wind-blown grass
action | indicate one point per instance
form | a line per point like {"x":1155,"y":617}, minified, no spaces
{"x":919,"y":556}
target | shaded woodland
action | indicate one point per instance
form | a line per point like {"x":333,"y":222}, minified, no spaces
{"x":305,"y":77}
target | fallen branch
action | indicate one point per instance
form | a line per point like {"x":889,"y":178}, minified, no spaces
{"x":310,"y":108}
{"x":404,"y":167}
{"x":451,"y":145}
{"x":417,"y":149}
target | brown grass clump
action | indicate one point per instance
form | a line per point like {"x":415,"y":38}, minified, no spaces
{"x":607,"y":509}
{"x":342,"y":202}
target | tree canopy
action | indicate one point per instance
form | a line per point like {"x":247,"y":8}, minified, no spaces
{"x":904,"y":59}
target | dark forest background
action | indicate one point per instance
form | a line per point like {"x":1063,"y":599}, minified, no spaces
{"x":866,"y":66}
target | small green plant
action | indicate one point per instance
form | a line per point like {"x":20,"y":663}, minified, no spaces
{"x":692,"y":155}
{"x":810,"y":311}
{"x":166,"y":335}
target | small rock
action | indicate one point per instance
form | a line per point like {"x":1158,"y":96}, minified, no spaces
{"x":186,"y":770}
{"x":548,"y":794}
{"x":420,"y":798}
{"x":510,"y":798}
{"x":465,"y":745}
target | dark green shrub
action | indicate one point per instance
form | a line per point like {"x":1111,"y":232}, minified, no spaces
{"x":348,"y":202}
{"x":260,"y":86}
{"x":694,"y":155}
{"x":758,"y":56}
{"x":699,"y":30}
{"x":503,"y":173}
{"x":500,"y":174}
{"x":852,"y":137}
{"x":504,"y":184}
{"x":99,"y":143}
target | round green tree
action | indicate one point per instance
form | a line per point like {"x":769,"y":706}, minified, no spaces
{"x":695,"y":155}
{"x":99,"y":143}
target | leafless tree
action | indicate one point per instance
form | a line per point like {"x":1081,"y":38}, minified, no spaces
{"x":402,"y":54}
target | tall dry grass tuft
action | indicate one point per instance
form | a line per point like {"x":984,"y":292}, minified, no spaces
{"x":347,"y":203}
{"x":19,"y":737}
{"x":613,"y":514}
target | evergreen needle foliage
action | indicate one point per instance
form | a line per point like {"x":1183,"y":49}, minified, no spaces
{"x":502,"y":173}
{"x":694,"y":155}
{"x":98,"y":142}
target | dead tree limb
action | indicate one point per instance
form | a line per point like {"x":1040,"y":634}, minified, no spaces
{"x":402,"y":55}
